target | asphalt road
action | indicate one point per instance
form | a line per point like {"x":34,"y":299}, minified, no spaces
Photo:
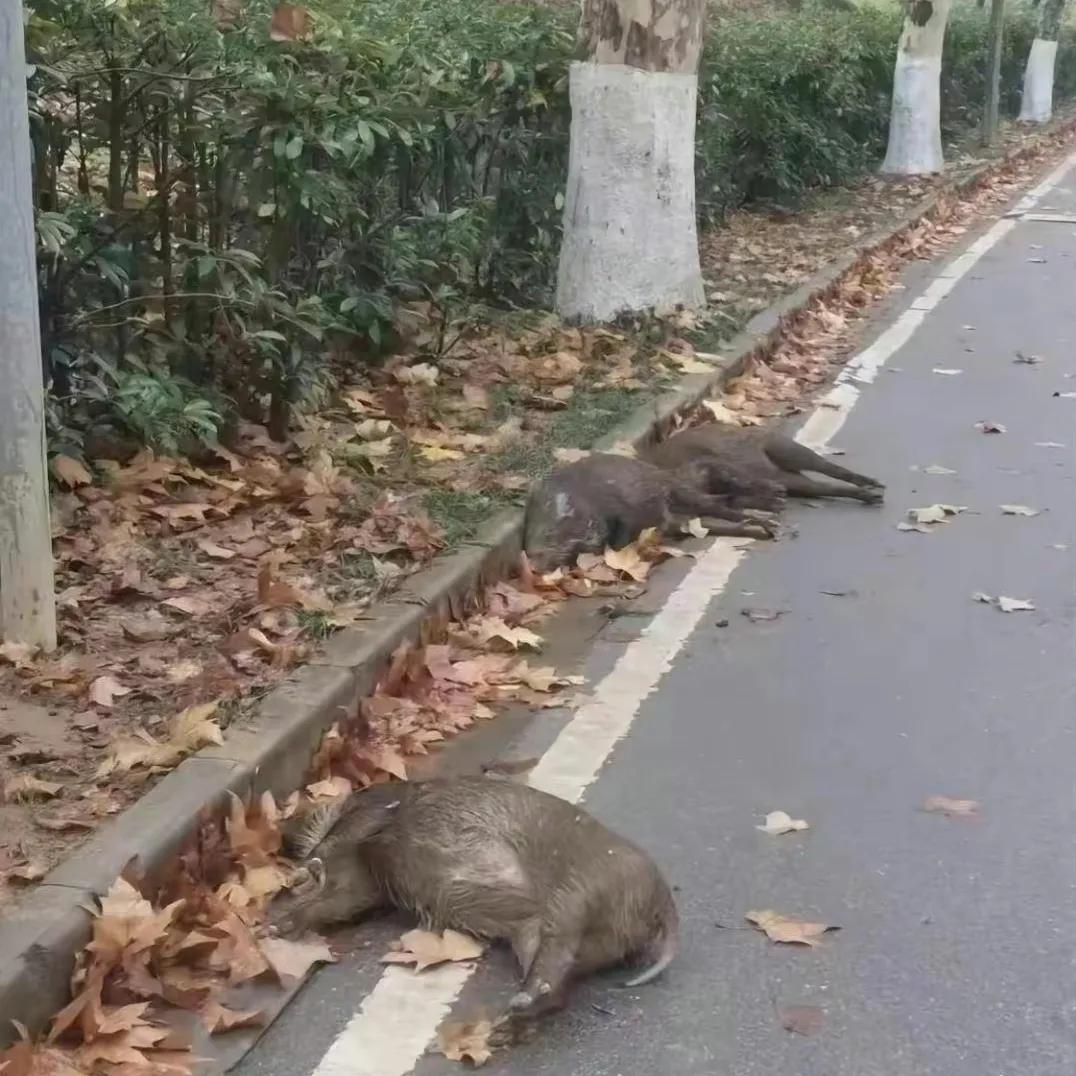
{"x":882,"y":682}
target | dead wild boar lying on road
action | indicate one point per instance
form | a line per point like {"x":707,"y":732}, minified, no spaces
{"x":735,"y":479}
{"x":756,"y":468}
{"x":495,"y":859}
{"x":607,"y":500}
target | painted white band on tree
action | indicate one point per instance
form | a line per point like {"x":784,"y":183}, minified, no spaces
{"x":630,"y":242}
{"x":915,"y":145}
{"x":1038,"y":99}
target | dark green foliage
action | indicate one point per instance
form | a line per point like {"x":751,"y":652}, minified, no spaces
{"x":222,"y":218}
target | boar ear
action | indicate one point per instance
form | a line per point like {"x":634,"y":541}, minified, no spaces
{"x":317,"y":872}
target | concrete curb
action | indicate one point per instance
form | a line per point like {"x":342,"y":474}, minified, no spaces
{"x":40,"y":939}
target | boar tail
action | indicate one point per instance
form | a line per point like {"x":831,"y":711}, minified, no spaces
{"x":662,"y":951}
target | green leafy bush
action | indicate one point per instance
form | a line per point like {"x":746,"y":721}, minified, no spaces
{"x":233,"y":216}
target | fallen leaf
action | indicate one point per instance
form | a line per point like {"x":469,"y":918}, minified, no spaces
{"x":1049,"y":444}
{"x":422,"y":373}
{"x":935,"y":469}
{"x":570,"y":455}
{"x":1028,"y":360}
{"x":991,"y":427}
{"x":695,"y":528}
{"x":935,"y":513}
{"x":946,"y":372}
{"x":71,"y":472}
{"x":1014,"y":605}
{"x":217,"y":1018}
{"x":24,"y":787}
{"x":945,"y":805}
{"x":437,"y":454}
{"x":466,"y":1041}
{"x":65,"y":823}
{"x":217,"y":552}
{"x":17,"y":654}
{"x":778,"y":822}
{"x":189,"y":605}
{"x":488,"y":628}
{"x":921,"y":528}
{"x":628,"y":560}
{"x":720,"y":412}
{"x":782,"y":928}
{"x":27,"y":873}
{"x":1018,"y":510}
{"x":561,"y":367}
{"x":803,"y":1019}
{"x":105,"y":689}
{"x":757,"y":616}
{"x":291,"y":959}
{"x":425,"y":949}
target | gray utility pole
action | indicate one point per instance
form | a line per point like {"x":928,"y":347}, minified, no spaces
{"x":993,"y":71}
{"x":27,"y":600}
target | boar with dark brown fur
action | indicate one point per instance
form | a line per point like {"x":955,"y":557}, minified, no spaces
{"x":495,"y":859}
{"x":756,"y":468}
{"x":608,"y":500}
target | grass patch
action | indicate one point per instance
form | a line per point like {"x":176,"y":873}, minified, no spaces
{"x":591,"y":414}
{"x":459,"y":513}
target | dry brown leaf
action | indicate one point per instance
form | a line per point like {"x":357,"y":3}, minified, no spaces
{"x":27,"y":873}
{"x":559,"y":368}
{"x":1019,"y":510}
{"x":488,"y":629}
{"x":24,"y":787}
{"x":218,"y":1018}
{"x":189,"y":605}
{"x":211,"y":549}
{"x":291,"y":959}
{"x":950,"y":807}
{"x":789,"y":931}
{"x":71,"y":472}
{"x":425,"y":949}
{"x":466,"y":1041}
{"x":226,"y":14}
{"x":17,"y":654}
{"x":105,"y":689}
{"x":330,"y":788}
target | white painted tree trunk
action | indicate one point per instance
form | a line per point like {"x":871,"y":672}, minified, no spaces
{"x":1037,"y":102}
{"x":915,"y":146}
{"x":630,"y":241}
{"x":27,"y":607}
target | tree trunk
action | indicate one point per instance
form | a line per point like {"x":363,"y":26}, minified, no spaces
{"x":27,"y":606}
{"x":991,"y":105}
{"x":915,"y":144}
{"x":1037,"y":103}
{"x":630,"y":242}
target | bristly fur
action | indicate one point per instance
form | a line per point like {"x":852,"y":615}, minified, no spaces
{"x":313,"y":828}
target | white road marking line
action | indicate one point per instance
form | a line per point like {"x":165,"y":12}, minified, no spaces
{"x":836,"y":405}
{"x":400,"y":1016}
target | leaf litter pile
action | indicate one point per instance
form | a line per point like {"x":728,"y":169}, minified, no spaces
{"x":186,"y":588}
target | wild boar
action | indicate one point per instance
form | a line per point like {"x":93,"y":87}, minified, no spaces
{"x":608,"y":500}
{"x":756,"y":468}
{"x":496,"y":859}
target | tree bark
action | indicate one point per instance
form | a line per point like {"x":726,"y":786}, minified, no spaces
{"x":27,"y":605}
{"x":996,"y":39}
{"x":630,"y":242}
{"x":1037,"y":101}
{"x":915,"y":146}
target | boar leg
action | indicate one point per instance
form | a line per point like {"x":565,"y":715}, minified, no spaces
{"x":749,"y":528}
{"x":799,"y":485}
{"x":793,"y":457}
